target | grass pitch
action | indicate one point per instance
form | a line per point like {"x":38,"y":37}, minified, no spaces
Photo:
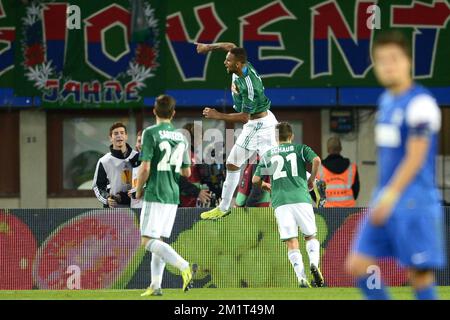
{"x":403,"y":293}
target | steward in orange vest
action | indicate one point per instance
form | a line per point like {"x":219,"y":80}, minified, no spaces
{"x":341,"y":177}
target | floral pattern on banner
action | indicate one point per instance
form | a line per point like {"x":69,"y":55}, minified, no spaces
{"x":39,"y":70}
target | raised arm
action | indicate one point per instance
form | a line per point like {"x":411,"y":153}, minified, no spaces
{"x":240,"y":117}
{"x":207,"y":47}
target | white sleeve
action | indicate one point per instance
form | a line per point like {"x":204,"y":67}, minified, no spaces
{"x":423,"y":113}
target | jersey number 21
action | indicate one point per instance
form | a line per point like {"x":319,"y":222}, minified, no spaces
{"x":278,"y":162}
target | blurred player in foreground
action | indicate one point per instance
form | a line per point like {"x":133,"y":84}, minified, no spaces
{"x":406,"y":218}
{"x":286,"y":166}
{"x":252,"y":108}
{"x":164,"y":157}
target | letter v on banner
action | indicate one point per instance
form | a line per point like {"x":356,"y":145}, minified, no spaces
{"x":427,"y":20}
{"x":192,"y":66}
{"x":7,"y":36}
{"x":255,"y":41}
{"x":329,"y":23}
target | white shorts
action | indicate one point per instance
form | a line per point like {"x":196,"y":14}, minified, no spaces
{"x":157,"y":219}
{"x":257,"y":136}
{"x":290,"y":217}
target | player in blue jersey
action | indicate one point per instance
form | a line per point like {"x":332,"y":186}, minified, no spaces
{"x":406,"y":217}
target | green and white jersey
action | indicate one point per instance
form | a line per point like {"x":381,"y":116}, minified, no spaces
{"x":166,"y":149}
{"x":248,"y":92}
{"x":286,"y":166}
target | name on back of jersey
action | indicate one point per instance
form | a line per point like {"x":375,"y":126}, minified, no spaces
{"x":283,"y":149}
{"x":171,"y":135}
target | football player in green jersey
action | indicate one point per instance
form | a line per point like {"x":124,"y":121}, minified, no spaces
{"x":286,"y":166}
{"x":252,"y":108}
{"x":164,"y":156}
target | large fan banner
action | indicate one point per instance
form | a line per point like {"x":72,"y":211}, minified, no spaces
{"x":103,"y":53}
{"x":86,"y":53}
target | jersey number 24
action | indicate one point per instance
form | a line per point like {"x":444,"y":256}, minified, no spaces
{"x":171,"y":157}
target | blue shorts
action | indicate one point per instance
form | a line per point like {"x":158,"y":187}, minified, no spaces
{"x":414,"y":236}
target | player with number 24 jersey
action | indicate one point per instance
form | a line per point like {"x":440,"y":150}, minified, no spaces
{"x":167,"y":151}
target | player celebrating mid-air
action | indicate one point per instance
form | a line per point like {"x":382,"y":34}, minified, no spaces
{"x":164,"y":157}
{"x":286,"y":166}
{"x":252,"y":109}
{"x":405,"y":220}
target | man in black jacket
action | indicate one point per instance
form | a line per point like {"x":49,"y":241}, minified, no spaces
{"x":113,"y":174}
